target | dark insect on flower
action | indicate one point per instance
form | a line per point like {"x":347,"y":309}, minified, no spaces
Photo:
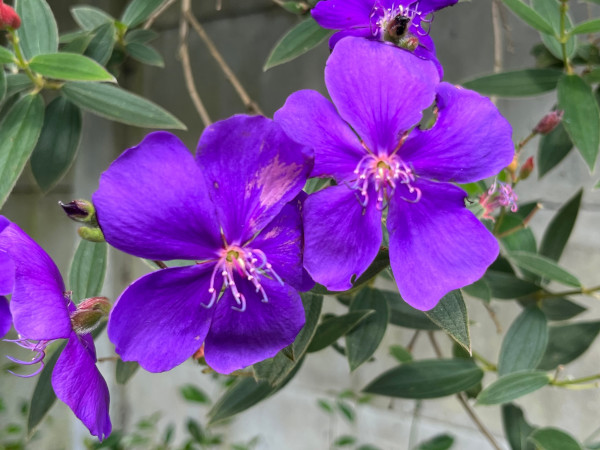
{"x":397,"y":26}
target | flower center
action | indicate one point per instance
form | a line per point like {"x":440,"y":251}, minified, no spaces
{"x":498,"y":195}
{"x":392,"y":24}
{"x":383,"y":173}
{"x":248,"y":263}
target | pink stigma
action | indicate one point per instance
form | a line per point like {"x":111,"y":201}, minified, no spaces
{"x":498,"y":195}
{"x":247,"y":263}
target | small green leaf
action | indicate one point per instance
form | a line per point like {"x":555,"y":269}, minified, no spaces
{"x":364,"y":338}
{"x":101,"y":46}
{"x":300,"y":39}
{"x":590,"y":26}
{"x":6,"y":56}
{"x":145,"y":54}
{"x":117,"y":104}
{"x":518,"y":83}
{"x":344,"y":441}
{"x":334,"y":328}
{"x":568,"y":342}
{"x":404,"y":315}
{"x":553,"y":439}
{"x":529,"y":16}
{"x":69,"y":66}
{"x":194,"y":394}
{"x":125,"y":370}
{"x":140,"y":36}
{"x":439,"y":442}
{"x":525,"y":342}
{"x":346,"y":410}
{"x":512,"y":386}
{"x":90,"y":18}
{"x":88,"y":268}
{"x":19,"y":132}
{"x":451,"y":315}
{"x":561,"y":308}
{"x":480,"y":289}
{"x":508,"y":286}
{"x":544,"y":267}
{"x":553,"y":148}
{"x":17,"y":82}
{"x":139,"y":10}
{"x":581,"y":116}
{"x":57,"y":146}
{"x":80,"y":44}
{"x":401,"y":354}
{"x":38,"y":33}
{"x":559,"y":230}
{"x":427,"y":379}
{"x":516,"y":427}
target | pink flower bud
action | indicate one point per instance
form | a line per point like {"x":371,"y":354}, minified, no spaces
{"x":549,"y":122}
{"x":8,"y":17}
{"x":526,"y":169}
{"x":89,"y":314}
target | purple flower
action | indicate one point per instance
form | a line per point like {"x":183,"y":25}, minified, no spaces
{"x":397,"y":21}
{"x":235,"y":210}
{"x":42,"y":312}
{"x":379,"y":161}
{"x":7,"y":277}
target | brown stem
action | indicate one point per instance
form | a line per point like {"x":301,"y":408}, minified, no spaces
{"x":498,"y":41}
{"x":413,"y":341}
{"x":155,"y":15}
{"x":494,"y":318}
{"x":526,"y":221}
{"x":160,"y":264}
{"x":250,"y":105}
{"x":108,"y":358}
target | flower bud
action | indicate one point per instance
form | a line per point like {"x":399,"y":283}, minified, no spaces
{"x":549,"y":122}
{"x":8,"y":17}
{"x":89,"y":314}
{"x":526,"y":169}
{"x":91,"y":234}
{"x":80,"y":211}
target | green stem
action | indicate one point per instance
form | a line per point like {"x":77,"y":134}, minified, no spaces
{"x":22,"y":63}
{"x":525,"y":141}
{"x":488,"y":365}
{"x":582,"y":291}
{"x":575,"y":381}
{"x":499,"y":221}
{"x":564,"y":36}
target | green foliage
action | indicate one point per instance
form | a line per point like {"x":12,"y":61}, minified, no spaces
{"x":559,"y":230}
{"x":514,"y":385}
{"x":568,"y":342}
{"x":553,"y":439}
{"x":516,"y":428}
{"x":139,"y":10}
{"x":450,"y":314}
{"x":333,"y":328}
{"x":550,"y":10}
{"x":553,"y":148}
{"x":518,"y":83}
{"x":543,"y":267}
{"x":194,"y":394}
{"x":38,"y":33}
{"x":439,"y":442}
{"x":529,"y":16}
{"x":88,"y":268}
{"x":90,"y":17}
{"x":125,"y":370}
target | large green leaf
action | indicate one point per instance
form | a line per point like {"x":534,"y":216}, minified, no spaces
{"x":529,"y":16}
{"x":553,"y":148}
{"x":590,"y":26}
{"x":57,"y":146}
{"x":518,"y":83}
{"x":88,"y":268}
{"x":550,"y":10}
{"x":450,"y":314}
{"x":508,"y":286}
{"x":559,"y":230}
{"x":553,"y":439}
{"x":516,"y":427}
{"x":364,"y":338}
{"x":524,"y":343}
{"x":560,"y":308}
{"x":568,"y":342}
{"x":512,"y":386}
{"x":300,"y":39}
{"x":404,"y":315}
{"x":89,"y":17}
{"x":276,"y":370}
{"x":101,"y":46}
{"x":19,"y":132}
{"x":117,"y":104}
{"x":427,"y":379}
{"x":69,"y":66}
{"x":581,"y":116}
{"x":38,"y":33}
{"x":139,"y":10}
{"x":331,"y":329}
{"x":144,"y":54}
{"x":544,"y":267}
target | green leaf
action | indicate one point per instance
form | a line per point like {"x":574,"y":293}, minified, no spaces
{"x":553,"y":439}
{"x":38,"y":33}
{"x":276,"y":370}
{"x":544,"y":267}
{"x":480,"y":289}
{"x":550,"y":10}
{"x":553,"y":148}
{"x":145,"y":54}
{"x":450,"y":314}
{"x":69,"y":66}
{"x":43,"y":395}
{"x":525,"y":342}
{"x":529,"y":16}
{"x":508,"y":286}
{"x":404,"y":315}
{"x":6,"y":56}
{"x":590,"y":26}
{"x":363,"y":340}
{"x":401,"y":354}
{"x":300,"y":39}
{"x":57,"y":146}
{"x":330,"y":330}
{"x":518,"y":83}
{"x":194,"y":394}
{"x":140,"y":36}
{"x":568,"y":342}
{"x":139,"y":10}
{"x":101,"y":46}
{"x":581,"y":116}
{"x":512,"y":386}
{"x":561,"y":308}
{"x":559,"y":230}
{"x":80,"y":44}
{"x":117,"y":104}
{"x":125,"y":370}
{"x":427,"y":379}
{"x":19,"y":132}
{"x":16,"y":83}
{"x":344,"y":441}
{"x":516,"y":427}
{"x":88,"y":268}
{"x":2,"y":85}
{"x":439,"y":442}
{"x":90,"y":18}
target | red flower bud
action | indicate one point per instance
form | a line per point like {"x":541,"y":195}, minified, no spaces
{"x":526,"y":169}
{"x":548,"y":122}
{"x":8,"y":17}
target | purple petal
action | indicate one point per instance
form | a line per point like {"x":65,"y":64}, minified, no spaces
{"x":427,"y":6}
{"x":238,"y":339}
{"x":152,"y":202}
{"x":310,"y":119}
{"x":38,"y":304}
{"x":436,"y":244}
{"x":253,"y":168}
{"x":159,"y":320}
{"x":362,"y":79}
{"x":78,"y":383}
{"x":469,"y":141}
{"x":364,"y":32}
{"x":282,"y":243}
{"x":341,"y":237}
{"x":341,"y":14}
{"x":7,"y":270}
{"x":5,"y":317}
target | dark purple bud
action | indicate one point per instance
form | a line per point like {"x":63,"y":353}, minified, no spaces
{"x":549,"y":122}
{"x":80,"y":211}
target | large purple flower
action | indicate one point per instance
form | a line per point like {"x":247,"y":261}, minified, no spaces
{"x":397,"y":21}
{"x":43,"y":312}
{"x":7,"y":277}
{"x":235,"y":210}
{"x":379,"y":161}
